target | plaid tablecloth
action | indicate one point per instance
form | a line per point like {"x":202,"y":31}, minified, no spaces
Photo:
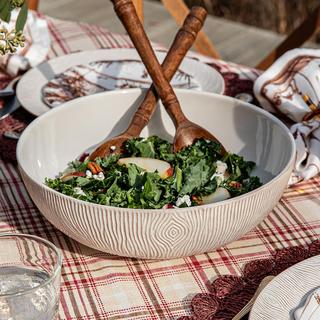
{"x":97,"y":285}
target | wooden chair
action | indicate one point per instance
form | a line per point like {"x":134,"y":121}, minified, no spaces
{"x":301,"y":34}
{"x":179,"y":10}
{"x":295,"y":39}
{"x":33,"y":4}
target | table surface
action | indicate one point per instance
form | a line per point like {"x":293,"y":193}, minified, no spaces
{"x":97,"y":285}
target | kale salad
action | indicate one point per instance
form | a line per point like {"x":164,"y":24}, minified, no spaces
{"x":148,"y":175}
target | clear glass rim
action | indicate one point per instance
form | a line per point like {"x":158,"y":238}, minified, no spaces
{"x":57,"y":265}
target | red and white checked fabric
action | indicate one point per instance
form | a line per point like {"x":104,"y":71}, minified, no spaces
{"x":97,"y":285}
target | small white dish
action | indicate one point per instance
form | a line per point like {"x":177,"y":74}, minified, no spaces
{"x":287,"y":292}
{"x":30,"y":87}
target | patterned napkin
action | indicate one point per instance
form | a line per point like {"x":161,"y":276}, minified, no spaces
{"x":291,"y":86}
{"x":36,"y":47}
{"x":99,"y":76}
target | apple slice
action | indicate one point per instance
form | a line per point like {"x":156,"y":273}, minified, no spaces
{"x":70,"y":175}
{"x":150,"y":165}
{"x":219,"y":195}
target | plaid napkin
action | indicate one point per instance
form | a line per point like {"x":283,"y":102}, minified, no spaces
{"x":36,"y":47}
{"x":291,"y":86}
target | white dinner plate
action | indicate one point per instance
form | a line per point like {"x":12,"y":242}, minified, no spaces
{"x":287,"y":291}
{"x":29,"y":89}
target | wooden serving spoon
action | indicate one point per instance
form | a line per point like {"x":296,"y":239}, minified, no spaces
{"x":180,"y":46}
{"x":186,"y":131}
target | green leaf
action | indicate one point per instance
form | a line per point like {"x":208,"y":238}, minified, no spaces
{"x":5,"y":13}
{"x":22,"y":17}
{"x":76,"y":165}
{"x":107,"y":162}
{"x":151,"y":190}
{"x":134,"y":173}
{"x":81,"y":181}
{"x":210,"y":187}
{"x":238,"y":167}
{"x":2,"y":4}
{"x":146,"y":149}
{"x":133,"y":198}
{"x":117,"y":196}
{"x":152,"y":147}
{"x":195,"y":176}
{"x":164,"y":150}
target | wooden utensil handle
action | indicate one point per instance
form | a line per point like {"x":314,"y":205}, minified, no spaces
{"x":128,"y":16}
{"x":182,"y":42}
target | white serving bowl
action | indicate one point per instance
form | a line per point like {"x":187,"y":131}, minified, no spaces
{"x":60,"y":135}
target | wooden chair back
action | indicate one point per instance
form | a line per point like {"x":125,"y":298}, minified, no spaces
{"x":33,"y":4}
{"x":139,"y":8}
{"x":179,"y":10}
{"x":300,"y":35}
{"x":295,"y":39}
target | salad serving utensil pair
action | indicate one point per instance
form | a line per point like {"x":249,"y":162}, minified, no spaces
{"x":186,"y":131}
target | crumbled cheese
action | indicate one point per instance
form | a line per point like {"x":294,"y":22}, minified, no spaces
{"x":99,"y":176}
{"x":220,"y":173}
{"x":221,"y":167}
{"x":88,"y":174}
{"x":185,"y":199}
{"x":79,"y":191}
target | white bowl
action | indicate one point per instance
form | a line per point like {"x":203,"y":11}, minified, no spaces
{"x":60,"y":135}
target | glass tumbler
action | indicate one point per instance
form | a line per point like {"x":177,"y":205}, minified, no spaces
{"x":30,"y":271}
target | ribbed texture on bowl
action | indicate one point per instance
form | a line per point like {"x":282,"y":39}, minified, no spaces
{"x":53,"y":139}
{"x":157,"y":234}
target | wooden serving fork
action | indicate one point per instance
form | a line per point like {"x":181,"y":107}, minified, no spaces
{"x":180,"y":46}
{"x":186,"y":131}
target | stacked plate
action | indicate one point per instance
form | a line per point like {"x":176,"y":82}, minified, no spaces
{"x":84,"y":73}
{"x":286,"y":295}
